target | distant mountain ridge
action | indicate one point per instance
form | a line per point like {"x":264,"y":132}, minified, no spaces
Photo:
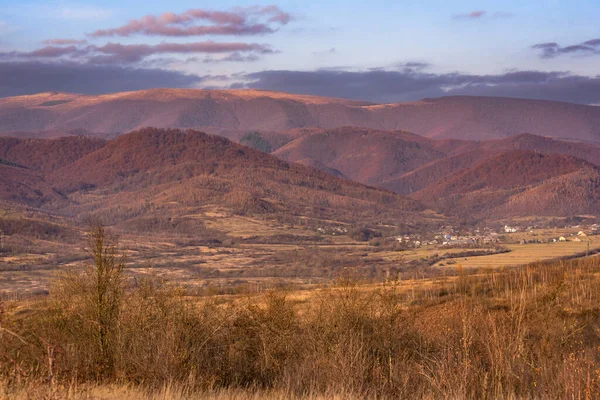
{"x":235,"y":112}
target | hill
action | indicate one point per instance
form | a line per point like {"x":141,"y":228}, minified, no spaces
{"x":236,"y":112}
{"x":22,"y":186}
{"x":519,"y":183}
{"x":156,"y":177}
{"x":406,"y":163}
{"x":364,"y":155}
{"x":47,"y":155}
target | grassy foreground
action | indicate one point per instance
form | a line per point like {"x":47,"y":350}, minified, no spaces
{"x":529,"y":332}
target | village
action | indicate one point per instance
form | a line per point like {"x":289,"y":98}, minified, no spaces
{"x":453,"y":237}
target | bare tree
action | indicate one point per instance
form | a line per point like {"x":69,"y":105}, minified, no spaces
{"x":92,"y":302}
{"x":106,"y":275}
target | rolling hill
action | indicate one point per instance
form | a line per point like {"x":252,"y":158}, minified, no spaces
{"x":406,"y":163}
{"x":47,"y":155}
{"x":235,"y":112}
{"x":518,"y":183}
{"x":364,"y":155}
{"x":152,"y":176}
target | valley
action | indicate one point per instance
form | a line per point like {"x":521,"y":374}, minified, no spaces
{"x":299,"y":200}
{"x":209,"y":214}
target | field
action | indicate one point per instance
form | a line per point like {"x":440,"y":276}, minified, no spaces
{"x":254,"y":253}
{"x":521,"y":254}
{"x":422,"y":337}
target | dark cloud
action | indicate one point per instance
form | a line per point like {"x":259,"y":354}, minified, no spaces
{"x":28,"y":77}
{"x":553,"y":49}
{"x":242,"y":21}
{"x":593,"y":42}
{"x":384,"y":86}
{"x":480,"y":14}
{"x":412,"y":65}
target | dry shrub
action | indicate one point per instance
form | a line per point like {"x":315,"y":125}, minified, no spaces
{"x":530,"y":332}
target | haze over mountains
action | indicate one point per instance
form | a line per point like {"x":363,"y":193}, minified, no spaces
{"x":222,"y":111}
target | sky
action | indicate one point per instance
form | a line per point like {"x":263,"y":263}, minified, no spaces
{"x":379,"y":51}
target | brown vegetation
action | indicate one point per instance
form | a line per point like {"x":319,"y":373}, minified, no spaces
{"x":526,"y":332}
{"x":519,"y":183}
{"x":162,"y":178}
{"x":47,"y":155}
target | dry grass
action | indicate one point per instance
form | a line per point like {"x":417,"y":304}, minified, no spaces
{"x":529,"y":332}
{"x":167,"y":392}
{"x":521,"y":254}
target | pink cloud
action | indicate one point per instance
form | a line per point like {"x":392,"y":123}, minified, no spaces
{"x":52,"y":52}
{"x":132,"y":53}
{"x":471,"y":15}
{"x":243,"y":21}
{"x":111,"y":53}
{"x":63,"y":42}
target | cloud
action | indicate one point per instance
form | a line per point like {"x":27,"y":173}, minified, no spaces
{"x":553,"y":49}
{"x":382,"y":86}
{"x":377,"y":85}
{"x":471,"y":15}
{"x":112,"y":53}
{"x":119,"y":53}
{"x":480,"y":14}
{"x":233,"y":57}
{"x":593,"y":42}
{"x":28,"y":77}
{"x":242,"y":21}
{"x":412,"y":65}
{"x":327,"y":52}
{"x":63,"y":42}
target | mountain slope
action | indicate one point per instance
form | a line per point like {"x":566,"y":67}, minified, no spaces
{"x":518,"y":183}
{"x":365,"y":155}
{"x":406,"y":163}
{"x":170,"y":173}
{"x":47,"y":155}
{"x":22,"y":186}
{"x":233,"y":112}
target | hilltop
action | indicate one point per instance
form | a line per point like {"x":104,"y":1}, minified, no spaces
{"x":234,"y":112}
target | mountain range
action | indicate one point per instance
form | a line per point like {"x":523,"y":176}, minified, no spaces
{"x":233,"y":112}
{"x":465,"y":157}
{"x":163,"y":177}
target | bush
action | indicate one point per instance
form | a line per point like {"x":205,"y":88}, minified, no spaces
{"x":528,"y":332}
